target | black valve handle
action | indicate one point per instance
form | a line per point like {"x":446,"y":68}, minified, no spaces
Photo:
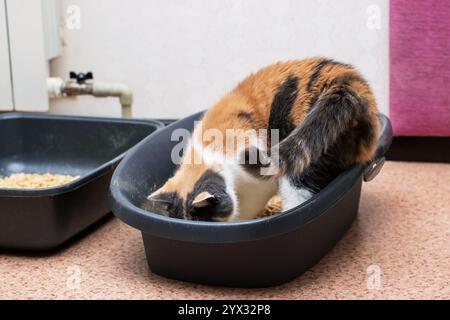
{"x":81,"y":77}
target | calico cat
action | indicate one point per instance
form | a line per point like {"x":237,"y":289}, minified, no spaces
{"x":325,"y":115}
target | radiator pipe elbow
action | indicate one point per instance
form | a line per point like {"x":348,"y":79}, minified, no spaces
{"x":57,"y":87}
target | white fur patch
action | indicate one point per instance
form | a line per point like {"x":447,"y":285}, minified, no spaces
{"x":228,"y":176}
{"x":292,"y":196}
{"x":253,"y":194}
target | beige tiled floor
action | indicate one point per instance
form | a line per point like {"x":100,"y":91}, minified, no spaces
{"x":402,"y":231}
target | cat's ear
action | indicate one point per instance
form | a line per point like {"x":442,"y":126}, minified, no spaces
{"x":159,"y":203}
{"x":203,"y":200}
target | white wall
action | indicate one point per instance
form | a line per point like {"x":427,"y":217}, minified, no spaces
{"x":180,"y":56}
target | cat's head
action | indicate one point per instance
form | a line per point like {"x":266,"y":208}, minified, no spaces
{"x":201,"y":194}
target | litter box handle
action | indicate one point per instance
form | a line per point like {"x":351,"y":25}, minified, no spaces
{"x":384,"y":142}
{"x":373,"y":169}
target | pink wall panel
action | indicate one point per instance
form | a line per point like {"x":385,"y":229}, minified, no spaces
{"x":420,"y":67}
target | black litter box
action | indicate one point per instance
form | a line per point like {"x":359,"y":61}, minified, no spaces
{"x":257,"y":253}
{"x":91,"y":148}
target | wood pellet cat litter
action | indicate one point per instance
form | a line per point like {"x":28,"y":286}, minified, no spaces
{"x":35,"y":181}
{"x":274,"y":206}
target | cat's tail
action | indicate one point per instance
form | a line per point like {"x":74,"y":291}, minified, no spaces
{"x":338,"y":110}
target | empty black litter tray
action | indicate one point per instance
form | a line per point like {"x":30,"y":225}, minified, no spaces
{"x":257,"y":253}
{"x":91,"y":148}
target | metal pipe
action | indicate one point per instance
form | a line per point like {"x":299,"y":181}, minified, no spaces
{"x":57,"y":87}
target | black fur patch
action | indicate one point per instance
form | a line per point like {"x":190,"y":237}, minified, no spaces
{"x":321,"y":131}
{"x":316,"y":73}
{"x":338,"y":81}
{"x":221,"y":207}
{"x":280,"y":111}
{"x":246,"y":116}
{"x":339,"y":157}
